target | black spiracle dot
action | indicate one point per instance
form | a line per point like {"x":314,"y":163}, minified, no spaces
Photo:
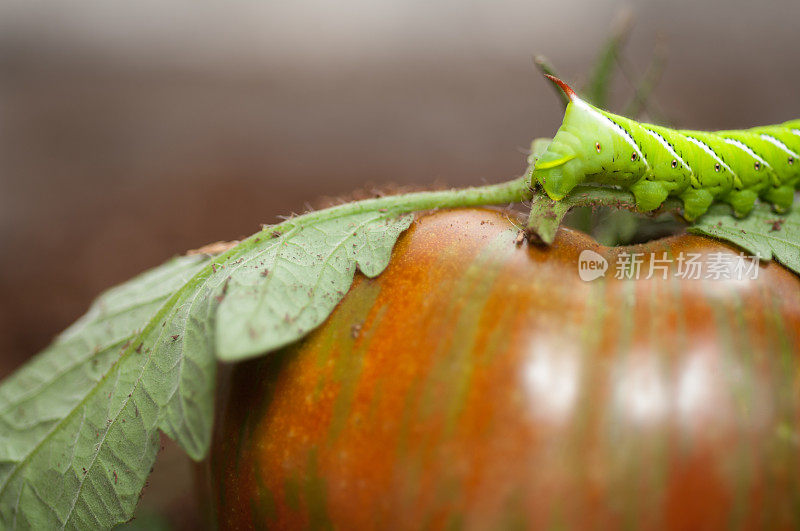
{"x":791,"y":160}
{"x":716,"y":166}
{"x":634,"y":156}
{"x":597,"y":146}
{"x":757,"y":165}
{"x":674,"y":163}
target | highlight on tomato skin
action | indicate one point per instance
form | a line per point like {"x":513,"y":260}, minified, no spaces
{"x":482,"y":384}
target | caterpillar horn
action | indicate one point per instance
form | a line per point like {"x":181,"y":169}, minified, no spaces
{"x":563,"y":86}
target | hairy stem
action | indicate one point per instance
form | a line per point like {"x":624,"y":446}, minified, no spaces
{"x":599,"y":84}
{"x":644,"y":89}
{"x":545,"y":216}
{"x":514,"y":191}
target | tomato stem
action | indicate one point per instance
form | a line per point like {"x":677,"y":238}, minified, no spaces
{"x":513,"y":191}
{"x":546,"y":214}
{"x":517,"y":190}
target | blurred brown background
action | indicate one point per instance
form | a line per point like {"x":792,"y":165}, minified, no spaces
{"x":130,"y":132}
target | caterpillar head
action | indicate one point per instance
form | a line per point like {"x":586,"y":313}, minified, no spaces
{"x":591,"y":145}
{"x":556,"y":176}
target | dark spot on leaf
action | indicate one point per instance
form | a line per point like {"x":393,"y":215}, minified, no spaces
{"x":175,"y":337}
{"x":222,"y":294}
{"x":776,"y":224}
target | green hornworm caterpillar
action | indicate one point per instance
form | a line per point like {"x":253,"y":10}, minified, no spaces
{"x":653,"y":162}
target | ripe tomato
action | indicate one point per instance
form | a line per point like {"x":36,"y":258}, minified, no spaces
{"x":480,"y":383}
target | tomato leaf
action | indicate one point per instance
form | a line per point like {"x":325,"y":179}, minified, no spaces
{"x":75,"y":445}
{"x":79,"y":424}
{"x":280,"y":291}
{"x":762,"y":232}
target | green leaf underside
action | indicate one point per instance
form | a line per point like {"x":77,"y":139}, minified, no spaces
{"x":69,"y":411}
{"x":279,"y":292}
{"x":79,"y":424}
{"x":762,"y":232}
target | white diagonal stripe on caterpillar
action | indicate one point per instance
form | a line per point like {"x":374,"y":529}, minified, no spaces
{"x":747,"y":150}
{"x":775,"y":142}
{"x":705,"y":147}
{"x":663,"y":141}
{"x":615,"y":126}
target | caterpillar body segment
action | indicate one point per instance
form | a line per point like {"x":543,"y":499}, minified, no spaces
{"x":653,"y":162}
{"x":769,"y":142}
{"x":785,"y":137}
